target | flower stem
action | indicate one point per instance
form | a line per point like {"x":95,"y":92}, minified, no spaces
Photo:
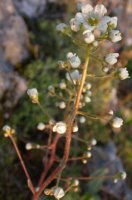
{"x":70,"y":122}
{"x":30,"y":185}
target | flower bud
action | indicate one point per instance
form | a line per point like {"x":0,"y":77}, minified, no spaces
{"x":82,"y":120}
{"x":60,"y":127}
{"x":62,"y":85}
{"x":75,"y":128}
{"x":88,"y":37}
{"x":117,"y":122}
{"x":33,"y":94}
{"x":41,"y":126}
{"x":28,"y":146}
{"x":115,"y":36}
{"x":62,"y":105}
{"x":76,"y":183}
{"x":8,"y":131}
{"x":58,"y":193}
{"x":75,"y":25}
{"x":74,"y":60}
{"x":111,"y":58}
{"x":123,"y":73}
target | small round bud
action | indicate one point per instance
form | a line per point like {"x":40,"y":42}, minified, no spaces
{"x":29,"y":146}
{"x":76,"y":183}
{"x":60,"y":127}
{"x":41,"y":126}
{"x":93,"y":142}
{"x":8,"y":131}
{"x":87,"y":99}
{"x":88,"y":37}
{"x":62,"y":105}
{"x":58,"y":193}
{"x":62,"y":85}
{"x":82,"y":120}
{"x":75,"y":128}
{"x":88,"y":86}
{"x":117,"y":122}
{"x":84,"y":161}
{"x":33,"y":94}
{"x":88,"y":154}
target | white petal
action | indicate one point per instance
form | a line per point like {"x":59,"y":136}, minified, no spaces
{"x":79,"y":17}
{"x":100,"y":9}
{"x":86,"y":8}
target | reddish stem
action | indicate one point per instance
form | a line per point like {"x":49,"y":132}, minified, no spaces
{"x":52,"y":159}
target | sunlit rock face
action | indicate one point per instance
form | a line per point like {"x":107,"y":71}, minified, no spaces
{"x":30,"y":8}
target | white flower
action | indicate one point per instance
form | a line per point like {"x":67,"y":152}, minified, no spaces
{"x":117,"y":122}
{"x":123,"y":73}
{"x":75,"y":75}
{"x":88,"y":36}
{"x":41,"y":126}
{"x":62,"y":85}
{"x":73,"y":59}
{"x":75,"y":25}
{"x":115,"y":36}
{"x":94,"y":17}
{"x":58,"y":193}
{"x":61,"y":27}
{"x":60,"y":127}
{"x":62,"y":105}
{"x":111,"y":58}
{"x":33,"y":94}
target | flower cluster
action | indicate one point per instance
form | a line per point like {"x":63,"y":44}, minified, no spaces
{"x":93,"y":24}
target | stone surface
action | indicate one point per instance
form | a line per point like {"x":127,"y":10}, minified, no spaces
{"x":30,"y":8}
{"x":13,"y":34}
{"x":106,"y":158}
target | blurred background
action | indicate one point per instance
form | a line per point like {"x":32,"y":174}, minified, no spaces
{"x":29,"y":50}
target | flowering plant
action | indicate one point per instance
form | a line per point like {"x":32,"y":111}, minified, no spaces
{"x":89,"y":29}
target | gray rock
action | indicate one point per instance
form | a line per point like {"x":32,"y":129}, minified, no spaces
{"x":30,"y":8}
{"x":13,"y":34}
{"x":106,"y":158}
